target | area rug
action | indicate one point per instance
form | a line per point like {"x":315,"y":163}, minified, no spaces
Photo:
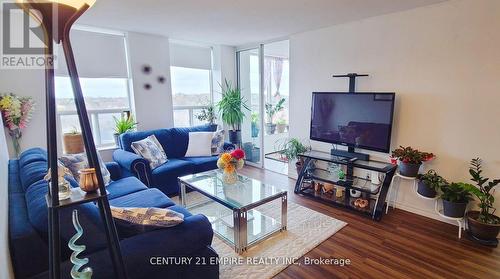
{"x":306,"y":229}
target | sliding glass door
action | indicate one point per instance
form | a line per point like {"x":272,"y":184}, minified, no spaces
{"x":249,"y":84}
{"x":263,"y":77}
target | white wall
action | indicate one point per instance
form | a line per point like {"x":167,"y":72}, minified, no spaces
{"x":153,"y":108}
{"x":443,"y":62}
{"x":5,"y":266}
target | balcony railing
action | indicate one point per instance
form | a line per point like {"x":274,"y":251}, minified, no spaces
{"x":185,"y":116}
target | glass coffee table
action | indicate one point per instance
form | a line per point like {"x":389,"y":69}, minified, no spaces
{"x":242,"y":214}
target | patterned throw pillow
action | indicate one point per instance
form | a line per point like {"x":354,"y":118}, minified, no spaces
{"x":148,"y":216}
{"x":151,"y":150}
{"x":218,"y":142}
{"x":76,"y":162}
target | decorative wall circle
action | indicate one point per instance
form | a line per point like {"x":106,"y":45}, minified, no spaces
{"x":147,"y":86}
{"x":146,"y":69}
{"x":161,"y":79}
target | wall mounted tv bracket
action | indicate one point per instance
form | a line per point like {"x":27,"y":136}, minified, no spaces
{"x":350,"y":153}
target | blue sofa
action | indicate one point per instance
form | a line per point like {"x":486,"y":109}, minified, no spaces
{"x":28,"y":228}
{"x":175,"y":143}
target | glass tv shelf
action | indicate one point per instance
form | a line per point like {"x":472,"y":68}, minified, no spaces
{"x":326,"y":186}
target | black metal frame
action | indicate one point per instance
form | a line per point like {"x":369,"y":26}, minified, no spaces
{"x":388,"y":170}
{"x":53,"y":203}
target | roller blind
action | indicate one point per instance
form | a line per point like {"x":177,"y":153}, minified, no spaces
{"x":97,"y":55}
{"x":190,"y":56}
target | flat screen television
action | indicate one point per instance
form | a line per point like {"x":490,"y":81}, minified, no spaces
{"x":361,"y":120}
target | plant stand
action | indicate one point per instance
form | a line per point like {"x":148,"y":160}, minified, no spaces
{"x":459,"y":220}
{"x":394,"y":190}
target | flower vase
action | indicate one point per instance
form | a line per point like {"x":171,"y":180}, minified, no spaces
{"x":16,"y":138}
{"x":230,"y":177}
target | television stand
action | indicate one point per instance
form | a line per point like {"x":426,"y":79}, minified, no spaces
{"x":336,"y":189}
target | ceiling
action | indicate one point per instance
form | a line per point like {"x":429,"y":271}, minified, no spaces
{"x":235,"y":22}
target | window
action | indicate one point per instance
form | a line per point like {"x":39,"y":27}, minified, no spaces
{"x":105,"y":98}
{"x":191,"y":74}
{"x":102,"y":66}
{"x":191,"y":90}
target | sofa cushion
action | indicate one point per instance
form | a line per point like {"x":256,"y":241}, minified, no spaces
{"x":165,"y":176}
{"x":126,"y":139}
{"x":151,"y":150}
{"x":76,"y":162}
{"x":124,"y":186}
{"x":146,"y":198}
{"x":94,"y":236}
{"x":14,"y":179}
{"x":177,"y":146}
{"x":32,"y":155}
{"x":181,"y":210}
{"x":200,"y":144}
{"x":202,"y":164}
{"x":32,"y":172}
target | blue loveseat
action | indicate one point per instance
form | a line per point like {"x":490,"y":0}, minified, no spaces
{"x":28,"y":228}
{"x":175,"y":143}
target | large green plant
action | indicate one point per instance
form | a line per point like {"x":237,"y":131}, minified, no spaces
{"x":432,"y":179}
{"x":271,"y":109}
{"x":483,"y":190}
{"x":124,"y":124}
{"x":455,"y":192}
{"x":231,"y":106}
{"x":291,"y":148}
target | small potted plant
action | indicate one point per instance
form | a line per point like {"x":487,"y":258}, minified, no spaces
{"x":252,"y":152}
{"x":429,"y":183}
{"x":483,"y":224}
{"x":231,"y":110}
{"x":208,"y":114}
{"x":271,"y":111}
{"x":291,"y":148}
{"x":410,"y":160}
{"x":123,"y":125}
{"x":255,"y":124}
{"x":455,"y":198}
{"x":73,"y":142}
{"x":281,"y":125}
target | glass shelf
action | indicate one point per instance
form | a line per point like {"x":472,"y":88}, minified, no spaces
{"x":357,"y":183}
{"x":368,"y":165}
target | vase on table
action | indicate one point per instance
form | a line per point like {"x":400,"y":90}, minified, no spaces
{"x":230,"y":177}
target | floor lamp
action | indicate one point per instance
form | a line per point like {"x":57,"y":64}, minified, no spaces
{"x":56,"y":18}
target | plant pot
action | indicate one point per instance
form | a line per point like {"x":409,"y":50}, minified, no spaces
{"x":213,"y":127}
{"x":117,"y":140}
{"x":281,"y":128}
{"x":409,"y":169}
{"x":270,"y":128}
{"x":454,"y":209}
{"x":481,"y":230}
{"x":255,"y":130}
{"x":235,"y":137}
{"x":73,"y":143}
{"x":299,"y":165}
{"x":425,"y":190}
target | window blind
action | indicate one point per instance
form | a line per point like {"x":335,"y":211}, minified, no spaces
{"x":97,"y":55}
{"x":190,"y":56}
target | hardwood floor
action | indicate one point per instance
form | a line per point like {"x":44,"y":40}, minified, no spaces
{"x":402,"y":245}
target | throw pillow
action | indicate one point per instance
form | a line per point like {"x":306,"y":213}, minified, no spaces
{"x":218,"y":142}
{"x":200,"y":144}
{"x":76,"y":162}
{"x":133,"y":220}
{"x":151,"y":150}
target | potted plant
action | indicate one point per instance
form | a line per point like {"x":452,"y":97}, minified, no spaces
{"x":483,"y":224}
{"x":208,"y":114}
{"x":255,"y":124}
{"x":429,"y":183}
{"x":455,"y":198}
{"x":271,"y":110}
{"x":291,"y":148}
{"x":231,"y":109}
{"x":281,"y":125}
{"x":73,"y":142}
{"x":123,"y":125}
{"x":410,"y":160}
